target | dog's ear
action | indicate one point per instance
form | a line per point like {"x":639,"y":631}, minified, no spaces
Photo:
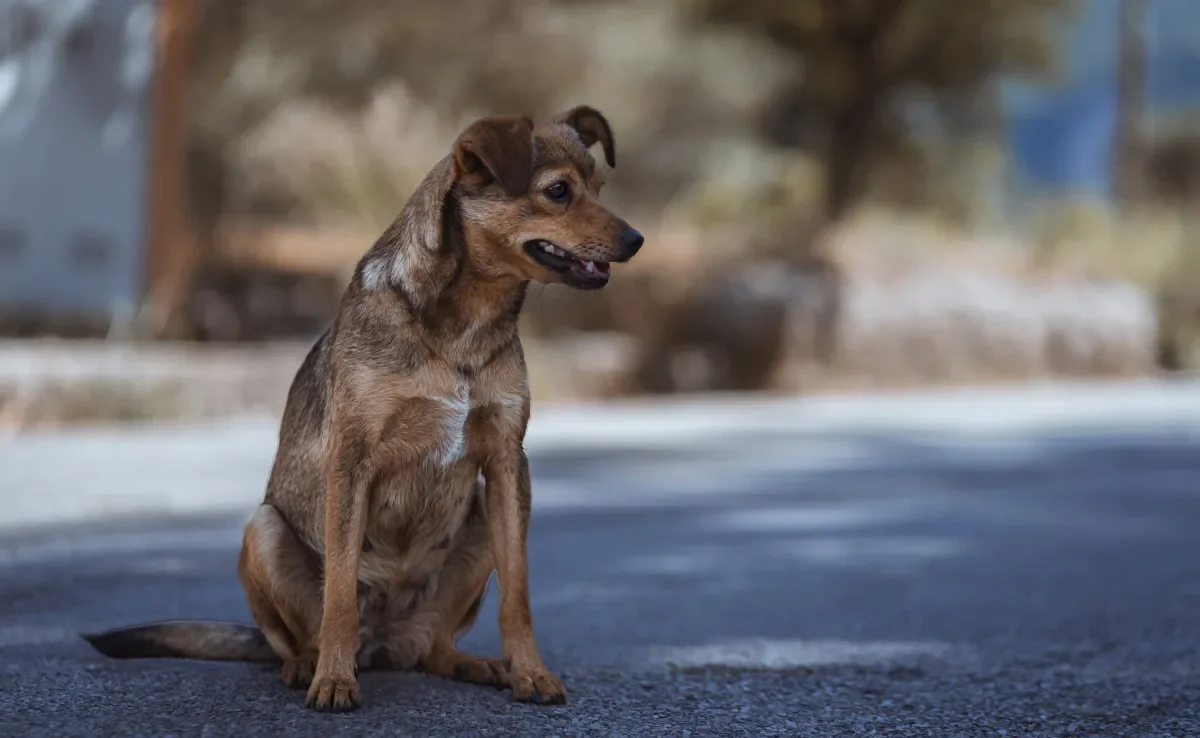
{"x":498,"y":148}
{"x":592,"y":127}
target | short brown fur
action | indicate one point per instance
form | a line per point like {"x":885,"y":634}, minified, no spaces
{"x":400,"y":482}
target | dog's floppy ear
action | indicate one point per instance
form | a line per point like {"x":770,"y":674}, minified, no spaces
{"x":498,"y":148}
{"x":592,"y":127}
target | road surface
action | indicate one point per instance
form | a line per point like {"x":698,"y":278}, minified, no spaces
{"x":1018,"y":563}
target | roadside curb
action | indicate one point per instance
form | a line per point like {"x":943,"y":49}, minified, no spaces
{"x":78,"y":475}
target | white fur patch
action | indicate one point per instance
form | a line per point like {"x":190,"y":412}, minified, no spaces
{"x":374,"y":274}
{"x":380,"y":273}
{"x":454,"y":436}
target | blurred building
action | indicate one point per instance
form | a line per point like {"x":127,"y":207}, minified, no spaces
{"x":76,"y":114}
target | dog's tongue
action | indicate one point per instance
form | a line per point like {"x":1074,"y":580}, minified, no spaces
{"x":602,"y":267}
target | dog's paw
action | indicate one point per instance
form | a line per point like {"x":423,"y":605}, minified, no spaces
{"x":333,"y":694}
{"x":538,"y":686}
{"x":298,"y":673}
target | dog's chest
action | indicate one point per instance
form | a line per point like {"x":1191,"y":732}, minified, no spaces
{"x":463,"y":425}
{"x":448,"y":422}
{"x":413,"y":525}
{"x":419,"y":505}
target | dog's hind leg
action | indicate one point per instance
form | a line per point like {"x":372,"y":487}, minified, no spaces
{"x":461,"y":588}
{"x":282,"y":583}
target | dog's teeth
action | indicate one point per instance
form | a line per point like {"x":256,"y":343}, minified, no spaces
{"x":548,"y":248}
{"x":591,"y":266}
{"x":559,"y":252}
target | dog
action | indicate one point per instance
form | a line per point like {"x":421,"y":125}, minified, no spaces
{"x":400,"y":482}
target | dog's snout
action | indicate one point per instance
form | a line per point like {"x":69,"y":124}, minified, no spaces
{"x":631,"y":240}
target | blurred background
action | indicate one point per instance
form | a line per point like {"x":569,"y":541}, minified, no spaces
{"x":837,"y":194}
{"x":887,"y":430}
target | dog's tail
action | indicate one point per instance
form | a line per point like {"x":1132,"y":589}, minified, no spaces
{"x":185,"y":639}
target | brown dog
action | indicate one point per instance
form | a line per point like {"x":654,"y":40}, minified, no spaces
{"x":377,"y":537}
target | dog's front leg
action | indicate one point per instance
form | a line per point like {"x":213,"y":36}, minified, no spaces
{"x":335,"y":685}
{"x":508,"y":505}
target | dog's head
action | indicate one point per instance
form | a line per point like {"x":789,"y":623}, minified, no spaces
{"x":528,"y":195}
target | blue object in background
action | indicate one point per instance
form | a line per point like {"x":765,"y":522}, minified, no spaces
{"x":1061,"y":137}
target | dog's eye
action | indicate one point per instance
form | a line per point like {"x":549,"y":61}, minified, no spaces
{"x":558,"y":192}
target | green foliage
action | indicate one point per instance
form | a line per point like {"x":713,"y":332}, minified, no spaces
{"x":1173,"y":160}
{"x":851,"y":47}
{"x":317,"y":110}
{"x":863,"y":59}
{"x":863,"y":64}
{"x":320,"y":67}
{"x":254,"y":55}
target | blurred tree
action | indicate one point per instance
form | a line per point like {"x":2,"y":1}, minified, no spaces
{"x":864,"y":60}
{"x":254,"y":58}
{"x":255,"y":55}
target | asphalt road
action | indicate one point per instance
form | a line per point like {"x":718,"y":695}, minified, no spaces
{"x":919,"y":577}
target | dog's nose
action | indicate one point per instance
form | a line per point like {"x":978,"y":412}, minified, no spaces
{"x":631,"y":240}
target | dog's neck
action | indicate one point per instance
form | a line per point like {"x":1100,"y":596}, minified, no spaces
{"x":474,"y":300}
{"x":472,"y":318}
{"x":423,"y":264}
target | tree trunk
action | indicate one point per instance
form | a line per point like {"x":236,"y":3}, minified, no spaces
{"x":171,"y":243}
{"x":848,"y":159}
{"x":1128,"y":145}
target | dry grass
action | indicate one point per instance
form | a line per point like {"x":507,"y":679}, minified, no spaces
{"x":52,"y":383}
{"x":56,"y":404}
{"x":909,"y":303}
{"x":61,"y":383}
{"x":1144,"y":247}
{"x":1156,"y":248}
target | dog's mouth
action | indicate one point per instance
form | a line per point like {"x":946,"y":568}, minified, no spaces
{"x":579,"y":273}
